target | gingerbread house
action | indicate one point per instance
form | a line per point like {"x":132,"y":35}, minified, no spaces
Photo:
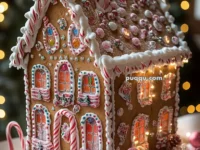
{"x":101,"y":74}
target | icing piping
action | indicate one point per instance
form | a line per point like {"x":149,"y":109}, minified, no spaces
{"x":83,"y":130}
{"x":74,"y":139}
{"x":28,"y":102}
{"x":88,"y":99}
{"x":35,"y":141}
{"x":66,"y":98}
{"x":40,"y":93}
{"x":177,"y":100}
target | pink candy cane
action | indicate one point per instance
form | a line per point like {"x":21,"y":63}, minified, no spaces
{"x":19,"y":131}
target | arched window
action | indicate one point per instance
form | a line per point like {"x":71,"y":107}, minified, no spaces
{"x":91,"y":130}
{"x":139,"y":129}
{"x":144,"y":92}
{"x":64,"y":84}
{"x":40,"y":83}
{"x":92,"y":134}
{"x":165,"y":121}
{"x":74,"y":43}
{"x":41,"y":127}
{"x":88,"y":84}
{"x":64,"y":79}
{"x":167,"y":86}
{"x":88,"y":89}
{"x":40,"y":78}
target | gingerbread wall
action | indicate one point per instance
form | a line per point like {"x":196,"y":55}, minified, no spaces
{"x":151,"y":110}
{"x":54,"y":13}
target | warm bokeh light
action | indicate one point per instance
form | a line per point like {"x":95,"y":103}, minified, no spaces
{"x":198,"y":108}
{"x":2,"y":17}
{"x":188,"y":134}
{"x":191,"y":109}
{"x":2,"y":113}
{"x":1,"y":8}
{"x":185,"y":5}
{"x":5,"y":5}
{"x":2,"y":99}
{"x":186,"y":85}
{"x":184,"y":28}
{"x":2,"y":54}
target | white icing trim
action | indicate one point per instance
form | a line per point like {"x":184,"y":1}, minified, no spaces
{"x":28,"y":111}
{"x":35,"y":141}
{"x":94,"y":99}
{"x":41,"y":93}
{"x":146,"y":119}
{"x":68,"y":95}
{"x":70,"y":38}
{"x":177,"y":100}
{"x":159,"y":130}
{"x":83,"y":129}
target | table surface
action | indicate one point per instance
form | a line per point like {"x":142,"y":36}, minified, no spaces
{"x":187,"y":123}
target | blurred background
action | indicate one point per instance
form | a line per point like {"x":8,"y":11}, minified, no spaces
{"x":12,"y":99}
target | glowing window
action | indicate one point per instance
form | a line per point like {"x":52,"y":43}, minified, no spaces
{"x":88,"y":84}
{"x":64,"y":79}
{"x":145,"y":94}
{"x":92,"y":135}
{"x":40,"y":125}
{"x":40,"y":78}
{"x":139,"y":131}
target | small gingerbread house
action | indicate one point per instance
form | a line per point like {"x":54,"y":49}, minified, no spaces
{"x":100,"y":74}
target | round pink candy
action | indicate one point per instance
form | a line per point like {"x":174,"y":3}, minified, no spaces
{"x":195,"y":139}
{"x":136,"y":42}
{"x":134,"y":17}
{"x":100,"y":32}
{"x":134,"y":30}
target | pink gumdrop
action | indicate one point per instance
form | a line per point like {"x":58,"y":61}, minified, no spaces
{"x":64,"y":67}
{"x":100,"y":32}
{"x":136,"y":42}
{"x":195,"y":139}
{"x":134,"y":30}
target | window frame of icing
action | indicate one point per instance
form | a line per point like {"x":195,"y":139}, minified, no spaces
{"x":68,"y":95}
{"x":73,"y":50}
{"x":94,"y":97}
{"x":44,"y":93}
{"x":143,"y":102}
{"x":47,"y":25}
{"x":83,"y":130}
{"x":145,"y":144}
{"x":160,"y":134}
{"x":166,"y":93}
{"x":35,"y":140}
{"x":123,"y":96}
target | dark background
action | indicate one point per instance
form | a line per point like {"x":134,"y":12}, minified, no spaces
{"x":11,"y":80}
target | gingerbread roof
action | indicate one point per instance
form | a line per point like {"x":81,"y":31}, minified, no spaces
{"x":118,"y":32}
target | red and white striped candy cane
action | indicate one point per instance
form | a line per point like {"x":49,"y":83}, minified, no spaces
{"x":74,"y":142}
{"x":19,"y":131}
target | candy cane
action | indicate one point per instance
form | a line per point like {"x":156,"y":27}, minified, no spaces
{"x":74,"y":143}
{"x":19,"y":131}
